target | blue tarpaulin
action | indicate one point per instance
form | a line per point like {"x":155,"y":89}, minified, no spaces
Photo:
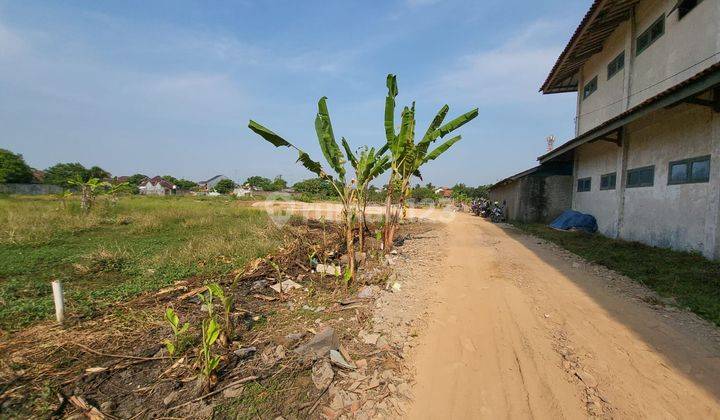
{"x":571,"y":219}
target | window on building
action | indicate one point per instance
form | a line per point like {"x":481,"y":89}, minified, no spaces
{"x":607,"y":181}
{"x":617,"y":64}
{"x":590,"y":87}
{"x":651,"y":34}
{"x":641,"y":177}
{"x":688,"y":171}
{"x":685,"y":6}
{"x":584,"y":184}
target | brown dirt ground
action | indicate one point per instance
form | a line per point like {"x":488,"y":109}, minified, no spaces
{"x":525,"y":330}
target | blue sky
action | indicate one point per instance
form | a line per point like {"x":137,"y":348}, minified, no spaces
{"x":167,"y":87}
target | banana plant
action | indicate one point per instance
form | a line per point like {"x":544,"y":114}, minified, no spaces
{"x":368,"y":164}
{"x":88,"y":191}
{"x":335,"y":159}
{"x":407,"y":157}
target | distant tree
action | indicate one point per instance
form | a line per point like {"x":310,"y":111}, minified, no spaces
{"x":13,"y":169}
{"x":260,"y":182}
{"x":279,"y":183}
{"x":62,"y":173}
{"x":181,"y":183}
{"x":423,"y":193}
{"x":317,"y":187}
{"x":134,"y":180}
{"x":462,"y":190}
{"x":225,"y":186}
{"x":98,"y":172}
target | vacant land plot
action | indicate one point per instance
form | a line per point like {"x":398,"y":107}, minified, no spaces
{"x":119,"y":250}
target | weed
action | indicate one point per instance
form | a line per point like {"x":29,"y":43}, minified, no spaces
{"x":174,"y":345}
{"x":227,"y":301}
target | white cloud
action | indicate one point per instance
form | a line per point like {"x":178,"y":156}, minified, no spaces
{"x":510,"y":73}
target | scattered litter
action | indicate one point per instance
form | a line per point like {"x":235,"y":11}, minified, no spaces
{"x":285,"y":286}
{"x":333,"y":270}
{"x":396,"y":287}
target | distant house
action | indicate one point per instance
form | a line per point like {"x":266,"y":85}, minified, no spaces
{"x":120,"y":179}
{"x":242,"y":191}
{"x":210,"y":184}
{"x":444,"y":192}
{"x":156,"y":186}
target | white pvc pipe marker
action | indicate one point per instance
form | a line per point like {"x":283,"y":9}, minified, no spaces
{"x":59,"y":301}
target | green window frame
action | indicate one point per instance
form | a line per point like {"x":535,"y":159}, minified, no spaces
{"x":617,"y":64}
{"x":689,"y":171}
{"x":641,"y":177}
{"x":608,"y":181}
{"x":590,"y":87}
{"x":584,"y":184}
{"x":651,"y":34}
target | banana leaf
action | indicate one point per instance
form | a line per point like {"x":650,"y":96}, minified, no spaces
{"x":326,"y":138}
{"x":390,"y":108}
{"x":453,"y":125}
{"x":441,"y":149}
{"x":268,"y":135}
{"x":278,"y":141}
{"x":348,"y":152}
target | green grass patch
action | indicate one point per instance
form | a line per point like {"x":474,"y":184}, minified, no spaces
{"x":119,"y":250}
{"x":690,"y":278}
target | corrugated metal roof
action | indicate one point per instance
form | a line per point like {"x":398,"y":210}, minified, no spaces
{"x":598,"y":24}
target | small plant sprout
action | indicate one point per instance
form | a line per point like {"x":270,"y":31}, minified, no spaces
{"x":178,"y":330}
{"x":227,"y":302}
{"x":210,"y":331}
{"x":206,"y":301}
{"x":347,"y":276}
{"x":279,"y":275}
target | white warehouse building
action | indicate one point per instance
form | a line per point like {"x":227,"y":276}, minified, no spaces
{"x":646,"y":152}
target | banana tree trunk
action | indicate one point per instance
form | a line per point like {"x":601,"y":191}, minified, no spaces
{"x":85,"y":201}
{"x":349,"y":242}
{"x":388,"y":229}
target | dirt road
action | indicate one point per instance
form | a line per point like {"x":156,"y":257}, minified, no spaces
{"x":520,"y":331}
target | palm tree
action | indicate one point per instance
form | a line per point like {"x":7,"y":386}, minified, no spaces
{"x":408,"y":156}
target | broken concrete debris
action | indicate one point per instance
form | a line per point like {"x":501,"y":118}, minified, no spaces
{"x":320,"y":345}
{"x":333,"y":270}
{"x":285,"y":286}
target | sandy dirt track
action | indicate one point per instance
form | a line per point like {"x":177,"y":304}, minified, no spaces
{"x":523,"y":332}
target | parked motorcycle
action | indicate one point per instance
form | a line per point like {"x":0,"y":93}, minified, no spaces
{"x":497,"y":214}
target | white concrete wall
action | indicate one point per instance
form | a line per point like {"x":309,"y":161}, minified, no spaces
{"x":680,"y":53}
{"x":607,"y":101}
{"x":594,"y":160}
{"x":683,"y":217}
{"x":686,"y":41}
{"x":674,"y":216}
